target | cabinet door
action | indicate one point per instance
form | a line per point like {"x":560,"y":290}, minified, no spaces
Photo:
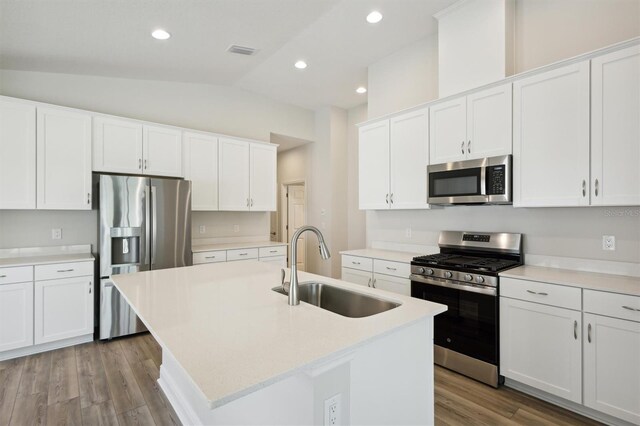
{"x":162,"y":149}
{"x":356,"y":276}
{"x":551,"y":138}
{"x":117,"y":145}
{"x":63,"y":309}
{"x":233,"y":166}
{"x":489,"y":120}
{"x":262,"y":180}
{"x":16,"y":316}
{"x":64,"y":159}
{"x":373,"y":166}
{"x":281,"y":261}
{"x":615,"y":128}
{"x":540,"y":346}
{"x":201,"y":168}
{"x":393,"y":284}
{"x":17,"y":155}
{"x":611,"y":366}
{"x":409,"y":159}
{"x":448,"y":131}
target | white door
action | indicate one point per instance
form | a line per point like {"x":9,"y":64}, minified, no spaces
{"x":540,"y":346}
{"x":117,"y":145}
{"x":448,"y":131}
{"x":63,"y":309}
{"x":16,"y":315}
{"x":262,"y":180}
{"x":489,"y":120}
{"x":390,"y":283}
{"x":233,"y":175}
{"x":612,"y":366}
{"x":162,"y":149}
{"x":296,"y":218}
{"x":356,"y":276}
{"x":201,"y":168}
{"x":615,"y":128}
{"x":17,"y":155}
{"x":409,"y":159}
{"x":551,"y":138}
{"x":373,"y":166}
{"x":63,"y":159}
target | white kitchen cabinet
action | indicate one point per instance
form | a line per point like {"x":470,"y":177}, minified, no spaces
{"x":63,"y":308}
{"x":373,"y":165}
{"x":17,"y":155}
{"x":16,"y":315}
{"x":162,"y":148}
{"x":611,"y":367}
{"x":276,"y":260}
{"x":540,"y":346}
{"x":201,"y":168}
{"x":392,"y":283}
{"x":551,"y":138}
{"x":615,"y":128}
{"x":262,"y":179}
{"x":448,"y":131}
{"x":233,"y":173}
{"x":489,"y":122}
{"x":117,"y":145}
{"x":63,"y":159}
{"x":357,"y":276}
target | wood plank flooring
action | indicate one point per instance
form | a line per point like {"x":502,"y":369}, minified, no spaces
{"x":115,"y":383}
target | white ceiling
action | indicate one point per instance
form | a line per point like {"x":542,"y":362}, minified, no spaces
{"x":111,"y":38}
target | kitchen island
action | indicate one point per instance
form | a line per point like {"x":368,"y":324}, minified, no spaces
{"x":234,"y":351}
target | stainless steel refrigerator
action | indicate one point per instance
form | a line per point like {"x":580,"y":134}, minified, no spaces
{"x":145,"y":224}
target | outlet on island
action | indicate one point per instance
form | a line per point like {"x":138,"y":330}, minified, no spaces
{"x":56,"y":234}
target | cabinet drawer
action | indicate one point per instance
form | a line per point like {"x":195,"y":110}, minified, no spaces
{"x":548,"y":294}
{"x":273,"y":251}
{"x":397,"y":269}
{"x":18,"y":274}
{"x":209,"y":257}
{"x":355,"y":262}
{"x":612,"y":304}
{"x":242,"y":254}
{"x":63,"y":270}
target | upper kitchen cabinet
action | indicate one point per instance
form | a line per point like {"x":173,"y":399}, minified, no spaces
{"x":200,"y":154}
{"x":162,"y":148}
{"x":615,"y":128}
{"x":393,"y":157}
{"x":117,"y":145}
{"x":473,"y":126}
{"x":233,"y":172}
{"x":17,"y":155}
{"x":262,"y":179}
{"x":551,"y":138}
{"x":63,"y":159}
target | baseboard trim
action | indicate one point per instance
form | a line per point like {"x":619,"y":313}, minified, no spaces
{"x":44,"y":347}
{"x":182,"y":408}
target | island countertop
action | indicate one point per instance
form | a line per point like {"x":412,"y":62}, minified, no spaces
{"x":232,"y":334}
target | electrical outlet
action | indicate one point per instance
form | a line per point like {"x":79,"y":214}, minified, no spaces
{"x":407,"y":232}
{"x":236,"y":228}
{"x":56,"y":234}
{"x":202,"y":229}
{"x":608,"y":242}
{"x":332,"y":410}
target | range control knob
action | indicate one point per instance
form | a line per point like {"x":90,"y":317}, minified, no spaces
{"x":429,"y":271}
{"x":479,"y":280}
{"x":448,"y":274}
{"x":421,"y":270}
{"x":468,"y":277}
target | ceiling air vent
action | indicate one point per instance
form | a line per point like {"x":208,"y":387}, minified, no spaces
{"x":242,"y":50}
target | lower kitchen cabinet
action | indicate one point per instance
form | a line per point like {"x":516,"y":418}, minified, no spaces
{"x":377,"y":273}
{"x":16,"y":315}
{"x":390,"y":283}
{"x":63,"y":308}
{"x":277,"y":260}
{"x":356,"y":276}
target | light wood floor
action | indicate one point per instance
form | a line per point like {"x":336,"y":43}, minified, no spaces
{"x":114,"y":383}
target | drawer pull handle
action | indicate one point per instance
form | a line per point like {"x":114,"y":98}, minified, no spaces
{"x":589,"y":333}
{"x":391,"y":269}
{"x":575,"y":330}
{"x":65,"y":270}
{"x":273,"y":251}
{"x":631,"y":309}
{"x":242,"y":254}
{"x":209,"y":257}
{"x":538,"y":293}
{"x":3,"y":276}
{"x":356,"y":263}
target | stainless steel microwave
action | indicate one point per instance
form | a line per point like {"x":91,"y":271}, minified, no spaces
{"x":481,"y":181}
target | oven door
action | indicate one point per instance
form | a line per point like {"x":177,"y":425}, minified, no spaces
{"x":470,"y":325}
{"x":457,"y":183}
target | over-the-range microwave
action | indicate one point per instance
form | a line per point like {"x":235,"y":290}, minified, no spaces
{"x":481,"y":181}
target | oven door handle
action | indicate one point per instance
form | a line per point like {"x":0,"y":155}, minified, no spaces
{"x":490,"y":291}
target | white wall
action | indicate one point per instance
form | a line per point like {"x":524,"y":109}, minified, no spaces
{"x":356,"y":218}
{"x":221,"y":226}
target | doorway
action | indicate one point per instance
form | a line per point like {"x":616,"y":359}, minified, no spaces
{"x":294,"y":216}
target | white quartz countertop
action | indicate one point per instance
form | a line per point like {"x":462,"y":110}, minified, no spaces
{"x":588,"y":280}
{"x":394,"y":256}
{"x":45,"y":259}
{"x":232,"y":334}
{"x":232,"y":246}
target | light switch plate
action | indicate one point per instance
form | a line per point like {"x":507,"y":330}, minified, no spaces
{"x":202,"y":229}
{"x":56,"y":234}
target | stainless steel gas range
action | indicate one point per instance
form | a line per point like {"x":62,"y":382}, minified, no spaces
{"x":464,"y":276}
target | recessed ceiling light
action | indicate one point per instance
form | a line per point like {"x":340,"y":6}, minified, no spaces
{"x":300,"y":65}
{"x":374,"y":17}
{"x":160,"y":34}
{"x":361,"y":90}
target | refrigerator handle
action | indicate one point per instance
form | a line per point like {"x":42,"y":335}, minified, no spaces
{"x":147,"y":232}
{"x":154,"y":232}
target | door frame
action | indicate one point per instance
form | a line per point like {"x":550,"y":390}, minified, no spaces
{"x":284,"y":207}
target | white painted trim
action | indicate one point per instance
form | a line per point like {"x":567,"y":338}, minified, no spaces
{"x":444,"y":12}
{"x":44,"y":347}
{"x":182,"y":408}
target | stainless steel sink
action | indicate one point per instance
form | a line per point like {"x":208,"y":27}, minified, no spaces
{"x":340,"y":301}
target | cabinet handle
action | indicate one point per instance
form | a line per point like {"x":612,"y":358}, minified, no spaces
{"x":273,"y":251}
{"x":631,"y":309}
{"x":88,"y":198}
{"x":242,"y":254}
{"x":575,"y":330}
{"x":597,"y":185}
{"x":355,"y":263}
{"x":252,"y":202}
{"x":462,"y":147}
{"x":387,"y":199}
{"x":209,"y":257}
{"x":391,"y":269}
{"x":469,"y":146}
{"x":369,"y":283}
{"x":140,"y":163}
{"x":589,"y":333}
{"x":65,"y":270}
{"x":247,"y":202}
{"x":538,"y":293}
{"x":391,"y":198}
{"x":3,"y":276}
{"x":373,"y":283}
{"x":145,"y":164}
{"x":584,"y":188}
{"x":89,"y":287}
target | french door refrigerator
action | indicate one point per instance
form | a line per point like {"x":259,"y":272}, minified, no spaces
{"x":145,"y":224}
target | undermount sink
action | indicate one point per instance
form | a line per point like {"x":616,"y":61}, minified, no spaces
{"x":340,"y":301}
